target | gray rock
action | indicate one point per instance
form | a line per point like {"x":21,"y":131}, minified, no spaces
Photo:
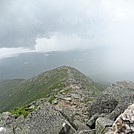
{"x":55,"y":101}
{"x":44,"y":120}
{"x":103,"y":125}
{"x":76,"y":96}
{"x":59,"y":96}
{"x":114,"y":100}
{"x":87,"y":132}
{"x":80,"y":126}
{"x":32,"y":107}
{"x":92,"y":120}
{"x":124,"y":124}
{"x":4,"y":117}
{"x":103,"y":104}
{"x":3,"y":130}
{"x":67,"y":129}
{"x":68,"y":99}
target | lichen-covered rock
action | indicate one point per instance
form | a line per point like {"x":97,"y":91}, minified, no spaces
{"x":103,"y":104}
{"x":44,"y":120}
{"x":103,"y":125}
{"x":124,"y":124}
{"x":114,"y":100}
{"x":91,"y":122}
{"x":87,"y":132}
{"x":3,"y":130}
{"x":4,"y":116}
{"x":67,"y":129}
{"x":80,"y":125}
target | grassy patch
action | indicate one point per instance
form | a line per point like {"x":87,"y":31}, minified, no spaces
{"x":51,"y":99}
{"x":66,"y":90}
{"x":22,"y":111}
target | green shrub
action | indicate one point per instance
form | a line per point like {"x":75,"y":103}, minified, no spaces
{"x":22,"y":111}
{"x":51,"y":99}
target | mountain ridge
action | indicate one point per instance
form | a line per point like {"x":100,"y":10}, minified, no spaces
{"x":47,"y":84}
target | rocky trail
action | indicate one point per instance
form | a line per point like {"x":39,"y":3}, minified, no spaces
{"x":75,"y":109}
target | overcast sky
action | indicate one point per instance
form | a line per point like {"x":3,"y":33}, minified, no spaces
{"x":56,"y":25}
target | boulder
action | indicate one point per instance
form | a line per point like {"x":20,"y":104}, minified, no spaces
{"x":55,"y":101}
{"x":103,"y":104}
{"x":114,"y":100}
{"x":91,"y":122}
{"x":124,"y":124}
{"x":87,"y":132}
{"x":80,"y":125}
{"x":44,"y":120}
{"x":103,"y":125}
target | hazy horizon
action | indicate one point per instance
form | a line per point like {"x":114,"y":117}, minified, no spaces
{"x":99,"y":31}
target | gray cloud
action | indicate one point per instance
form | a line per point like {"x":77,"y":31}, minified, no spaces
{"x":102,"y":29}
{"x":53,"y":25}
{"x":22,"y":22}
{"x":100,"y":22}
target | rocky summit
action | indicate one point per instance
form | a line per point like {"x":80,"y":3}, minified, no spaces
{"x":114,"y":100}
{"x":44,"y":120}
{"x":47,"y":84}
{"x":109,"y":105}
{"x":68,"y":102}
{"x":124,"y":124}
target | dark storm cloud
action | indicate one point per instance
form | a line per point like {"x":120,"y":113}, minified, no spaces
{"x":103,"y":28}
{"x":22,"y":21}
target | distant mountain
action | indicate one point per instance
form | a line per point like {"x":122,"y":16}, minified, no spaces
{"x":30,"y":64}
{"x":94,"y":65}
{"x":21,"y":92}
{"x":27,"y":65}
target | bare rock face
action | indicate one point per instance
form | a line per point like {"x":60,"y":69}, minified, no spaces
{"x":105,"y":103}
{"x":114,"y":100}
{"x":44,"y":120}
{"x":124,"y":124}
{"x":103,"y":125}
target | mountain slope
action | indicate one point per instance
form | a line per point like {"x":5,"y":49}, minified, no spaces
{"x":7,"y":89}
{"x":48,"y":84}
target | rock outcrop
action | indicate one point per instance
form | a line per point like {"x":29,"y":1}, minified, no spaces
{"x":103,"y":125}
{"x":113,"y":101}
{"x":73,"y":107}
{"x":124,"y":124}
{"x":64,"y":109}
{"x":72,"y":100}
{"x":44,"y":120}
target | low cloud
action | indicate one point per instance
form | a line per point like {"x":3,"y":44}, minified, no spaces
{"x":52,"y":25}
{"x":101,"y":22}
{"x":59,"y":42}
{"x":12,"y":52}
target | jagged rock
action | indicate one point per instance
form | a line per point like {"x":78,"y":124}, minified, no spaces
{"x":70,"y":93}
{"x":32,"y":106}
{"x":87,"y":132}
{"x":124,"y":124}
{"x":4,"y":117}
{"x":67,"y":129}
{"x":103,"y":125}
{"x":2,"y":130}
{"x":103,"y":104}
{"x":67,"y":99}
{"x":59,"y":96}
{"x":114,"y":100}
{"x":55,"y":101}
{"x":44,"y":120}
{"x":91,"y":122}
{"x":80,"y":126}
{"x":76,"y":96}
